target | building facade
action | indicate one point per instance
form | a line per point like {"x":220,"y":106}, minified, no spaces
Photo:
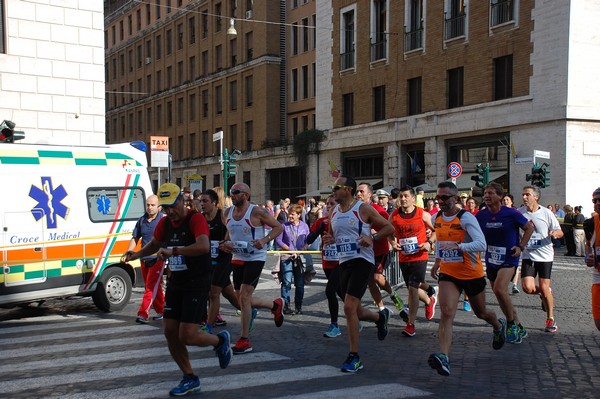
{"x":51,"y":70}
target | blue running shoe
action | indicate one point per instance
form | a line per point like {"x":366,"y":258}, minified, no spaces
{"x":187,"y":385}
{"x":352,"y":364}
{"x":499,"y":335}
{"x":523,"y":332}
{"x":466,"y":306}
{"x":224,"y":350}
{"x":254,"y":314}
{"x":513,"y":335}
{"x":382,"y":323}
{"x":332,"y":332}
{"x":440,"y":363}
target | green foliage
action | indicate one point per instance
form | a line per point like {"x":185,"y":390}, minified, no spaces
{"x":303,"y":144}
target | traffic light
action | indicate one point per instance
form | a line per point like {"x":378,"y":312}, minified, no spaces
{"x":483,"y":175}
{"x":539,"y":176}
{"x":8,"y":133}
{"x":229,"y":166}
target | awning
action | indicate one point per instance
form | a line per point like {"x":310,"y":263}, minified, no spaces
{"x":316,"y":193}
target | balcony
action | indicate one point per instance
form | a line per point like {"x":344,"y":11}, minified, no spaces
{"x":379,"y":50}
{"x":502,"y":12}
{"x":455,"y":26}
{"x":347,"y":60}
{"x":413,"y":40}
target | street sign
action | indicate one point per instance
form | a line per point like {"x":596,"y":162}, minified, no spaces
{"x":541,"y":154}
{"x":454,"y":170}
{"x":159,"y":151}
{"x":218,"y":135}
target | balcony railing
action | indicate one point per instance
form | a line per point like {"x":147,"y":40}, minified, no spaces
{"x":347,"y":60}
{"x":413,"y":39}
{"x":502,"y":12}
{"x":378,"y":50}
{"x":455,"y":26}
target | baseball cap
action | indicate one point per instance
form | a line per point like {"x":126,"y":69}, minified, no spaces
{"x":382,"y":193}
{"x":168,"y":193}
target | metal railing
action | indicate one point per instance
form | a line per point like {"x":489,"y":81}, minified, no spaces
{"x":502,"y":12}
{"x":413,"y":39}
{"x":455,"y":26}
{"x":379,"y":50}
{"x":347,"y":60}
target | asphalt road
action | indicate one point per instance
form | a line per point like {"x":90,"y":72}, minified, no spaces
{"x":69,"y":349}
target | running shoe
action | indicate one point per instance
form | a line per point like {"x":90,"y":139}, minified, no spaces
{"x":188,"y":384}
{"x":141,"y":320}
{"x":219,"y":320}
{"x":397,"y":301}
{"x":206,"y":327}
{"x":551,"y":326}
{"x":404,"y":314}
{"x":254,"y":314}
{"x":515,"y":290}
{"x":224,"y":350}
{"x":466,"y":306}
{"x":430,"y":309}
{"x":382,"y":324}
{"x":158,"y":317}
{"x":500,"y":335}
{"x":352,"y":364}
{"x":440,"y":363}
{"x":523,"y":332}
{"x":242,"y":346}
{"x":513,"y":335}
{"x":409,"y":330}
{"x":360,"y":326}
{"x":332,"y":332}
{"x":278,"y":311}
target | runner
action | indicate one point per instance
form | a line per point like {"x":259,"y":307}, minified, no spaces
{"x":593,"y":258}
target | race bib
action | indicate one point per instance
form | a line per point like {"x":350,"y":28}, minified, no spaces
{"x":449,"y":255}
{"x":347,"y":247}
{"x":409,"y":245}
{"x":241,"y":247}
{"x":330,"y":252}
{"x":214,"y":249}
{"x":496,"y":255}
{"x":177,"y":263}
{"x":535,"y":241}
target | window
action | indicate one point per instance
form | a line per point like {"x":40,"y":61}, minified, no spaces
{"x":192,"y":68}
{"x":139,"y":56}
{"x":249,"y":135}
{"x":158,"y":117}
{"x":294,"y":38}
{"x":148,"y":120}
{"x":158,"y":47}
{"x":148,"y":84}
{"x":180,"y":147}
{"x":503,"y":77}
{"x":249,"y":91}
{"x":413,"y":35}
{"x":233,"y":8}
{"x":192,"y":145}
{"x":249,"y":46}
{"x":347,"y":42}
{"x":304,"y":122}
{"x":455,"y":19}
{"x":205,"y":143}
{"x":140,"y":122}
{"x":233,"y":49}
{"x":502,"y":11}
{"x":218,"y":18}
{"x":169,"y":114}
{"x":138,"y":20}
{"x":305,"y":35}
{"x":233,"y":95}
{"x":179,"y":36}
{"x":148,"y":20}
{"x":169,"y":77}
{"x":192,"y":107}
{"x":180,"y":110}
{"x":455,"y":87}
{"x":204,"y":103}
{"x":414,"y":96}
{"x":115,"y":195}
{"x":219,"y":99}
{"x":158,"y":9}
{"x":218,"y":58}
{"x":286,"y":182}
{"x":348,"y":109}
{"x":180,"y":72}
{"x":364,"y":166}
{"x":169,"y":41}
{"x":294,"y":84}
{"x":294,"y":127}
{"x":204,"y":24}
{"x":379,"y":30}
{"x":379,"y":103}
{"x":192,"y":30}
{"x":113,"y":34}
{"x":130,"y":24}
{"x":305,"y":82}
{"x":205,"y":63}
{"x":121,"y":30}
{"x":158,"y":80}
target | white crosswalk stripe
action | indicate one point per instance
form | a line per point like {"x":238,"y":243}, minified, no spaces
{"x":114,"y":358}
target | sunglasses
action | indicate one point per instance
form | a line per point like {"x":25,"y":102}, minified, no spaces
{"x":595,"y":200}
{"x":338,"y":186}
{"x":444,"y":198}
{"x":236,"y":192}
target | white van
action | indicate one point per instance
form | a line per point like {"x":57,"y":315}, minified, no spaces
{"x":66,"y":215}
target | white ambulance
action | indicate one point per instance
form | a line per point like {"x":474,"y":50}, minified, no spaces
{"x":66,"y":215}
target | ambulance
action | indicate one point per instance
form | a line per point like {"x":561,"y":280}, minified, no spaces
{"x":66,"y":215}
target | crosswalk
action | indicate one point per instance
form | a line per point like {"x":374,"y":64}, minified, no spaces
{"x":90,"y":356}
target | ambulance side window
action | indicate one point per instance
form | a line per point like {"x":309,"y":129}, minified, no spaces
{"x":109,"y":204}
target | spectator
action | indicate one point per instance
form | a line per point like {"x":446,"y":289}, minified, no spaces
{"x":567,"y":228}
{"x":578,"y":233}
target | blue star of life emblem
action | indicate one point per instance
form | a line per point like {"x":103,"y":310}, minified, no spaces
{"x":50,"y":201}
{"x":103,"y":203}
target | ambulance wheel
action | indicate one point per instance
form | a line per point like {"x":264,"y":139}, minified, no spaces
{"x":113,"y":290}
